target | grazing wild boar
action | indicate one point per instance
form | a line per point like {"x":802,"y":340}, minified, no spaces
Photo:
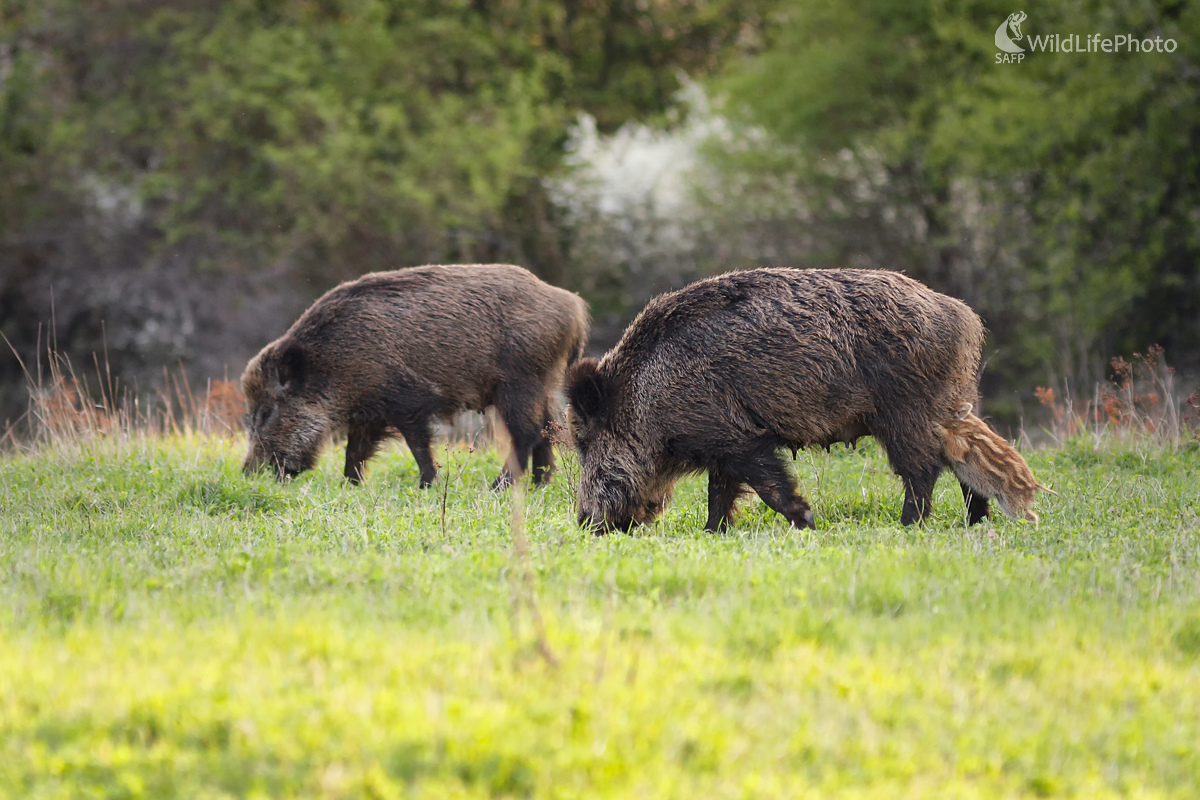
{"x":984,"y":461}
{"x":388,"y":352}
{"x":723,"y":374}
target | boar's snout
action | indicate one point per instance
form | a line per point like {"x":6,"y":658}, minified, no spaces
{"x":607,"y":505}
{"x":616,"y":491}
{"x":604,"y":524}
{"x":282,"y":471}
{"x":285,"y":439}
{"x":256,"y":456}
{"x":256,"y":462}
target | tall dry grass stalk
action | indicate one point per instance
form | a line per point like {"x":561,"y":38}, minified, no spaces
{"x":523,"y":583}
{"x":1139,"y":402}
{"x":69,"y":408}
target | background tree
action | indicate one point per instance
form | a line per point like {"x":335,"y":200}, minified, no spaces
{"x":1060,"y":196}
{"x":181,"y":177}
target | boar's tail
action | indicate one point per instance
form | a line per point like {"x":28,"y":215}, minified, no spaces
{"x":575,"y":355}
{"x":577,"y":348}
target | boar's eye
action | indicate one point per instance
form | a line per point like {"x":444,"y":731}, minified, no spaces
{"x":583,"y":443}
{"x":264,"y":415}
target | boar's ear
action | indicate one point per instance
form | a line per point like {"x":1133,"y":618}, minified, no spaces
{"x":290,"y":368}
{"x":588,"y":392}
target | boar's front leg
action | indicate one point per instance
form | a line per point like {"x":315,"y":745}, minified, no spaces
{"x":521,"y":408}
{"x":915,"y":454}
{"x":722,"y":497}
{"x":769,"y":477}
{"x":410,"y":404}
{"x":361,"y":444}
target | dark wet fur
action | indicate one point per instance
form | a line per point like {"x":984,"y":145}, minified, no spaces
{"x":725,"y":374}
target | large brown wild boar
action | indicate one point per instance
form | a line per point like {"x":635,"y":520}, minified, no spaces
{"x":388,"y":352}
{"x":725,"y":373}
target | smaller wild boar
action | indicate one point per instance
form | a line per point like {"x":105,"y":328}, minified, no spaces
{"x":982,"y":459}
{"x":725,"y":373}
{"x":387,"y":353}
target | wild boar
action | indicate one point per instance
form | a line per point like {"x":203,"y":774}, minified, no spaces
{"x":387,"y":353}
{"x":982,"y":459}
{"x":725,"y":373}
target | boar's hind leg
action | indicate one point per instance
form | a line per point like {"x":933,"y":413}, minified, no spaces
{"x":417,"y":437}
{"x":360,"y":446}
{"x":521,"y":408}
{"x":915,"y":455}
{"x":543,"y":453}
{"x":722,"y":497}
{"x":409,"y":405}
{"x":918,"y":493}
{"x":977,"y":504}
{"x":768,"y":476}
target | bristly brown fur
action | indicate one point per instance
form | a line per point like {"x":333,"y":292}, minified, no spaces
{"x":989,"y":465}
{"x":390,"y":351}
{"x":724,"y":374}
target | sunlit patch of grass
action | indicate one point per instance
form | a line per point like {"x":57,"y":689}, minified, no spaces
{"x":171,"y":628}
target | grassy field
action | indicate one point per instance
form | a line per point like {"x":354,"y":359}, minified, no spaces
{"x":169,"y":628}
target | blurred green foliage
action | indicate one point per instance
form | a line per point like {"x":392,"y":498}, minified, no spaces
{"x":1059,"y":195}
{"x":179,"y":178}
{"x":354,"y":134}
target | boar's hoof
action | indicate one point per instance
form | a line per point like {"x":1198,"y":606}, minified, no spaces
{"x":503,"y":481}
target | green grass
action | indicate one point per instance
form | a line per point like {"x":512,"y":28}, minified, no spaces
{"x":169,"y":628}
